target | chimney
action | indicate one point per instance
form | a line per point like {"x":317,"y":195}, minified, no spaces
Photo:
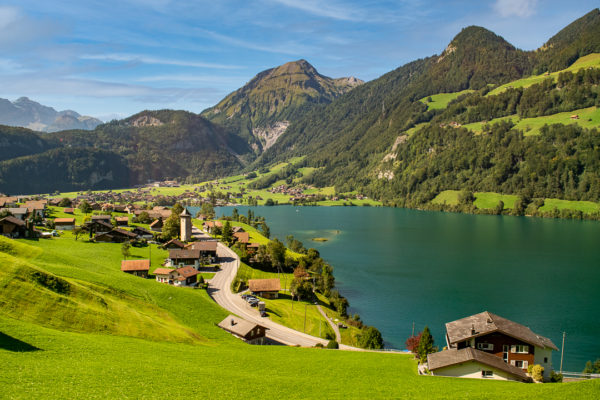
{"x":473,"y":329}
{"x":232,"y":322}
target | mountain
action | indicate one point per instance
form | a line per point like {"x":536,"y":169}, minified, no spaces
{"x":366,"y":140}
{"x":262,"y":109}
{"x":30,"y":114}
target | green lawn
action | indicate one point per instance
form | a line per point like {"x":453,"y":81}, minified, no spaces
{"x":441,"y":100}
{"x":591,"y":60}
{"x":588,"y":118}
{"x":583,"y":206}
{"x":491,"y":200}
{"x":449,"y":197}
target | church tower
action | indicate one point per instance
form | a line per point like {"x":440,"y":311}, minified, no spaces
{"x":186,"y":225}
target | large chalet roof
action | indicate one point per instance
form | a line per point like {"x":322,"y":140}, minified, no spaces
{"x":486,"y":322}
{"x":205,"y":245}
{"x":186,"y":272}
{"x":242,"y":237}
{"x":264,"y":285}
{"x":237,"y":326}
{"x":12,"y":220}
{"x":184,"y":254}
{"x":64,"y":220}
{"x":135,"y":265}
{"x":163,"y":271}
{"x":450,"y":357}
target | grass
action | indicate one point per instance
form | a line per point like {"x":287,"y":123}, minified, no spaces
{"x":590,"y":60}
{"x":441,"y":100}
{"x":488,"y":200}
{"x":588,"y":118}
{"x":583,"y":206}
{"x":449,"y":197}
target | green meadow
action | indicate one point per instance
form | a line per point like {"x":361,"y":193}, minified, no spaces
{"x":441,"y":100}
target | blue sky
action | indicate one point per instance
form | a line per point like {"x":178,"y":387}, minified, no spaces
{"x":115,"y":58}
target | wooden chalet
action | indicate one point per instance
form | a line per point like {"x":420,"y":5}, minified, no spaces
{"x":165,"y":275}
{"x":37,"y":208}
{"x":142,"y":233}
{"x":186,"y":276}
{"x":157,"y":225}
{"x":267,"y":288}
{"x":207,"y":249}
{"x":249,"y":332}
{"x":18,"y":212}
{"x":174,"y":244}
{"x":184,"y":257}
{"x":136,"y":267}
{"x":116,"y":235}
{"x":242,"y":237}
{"x":65,"y":224}
{"x":13,"y":227}
{"x":122,"y":221}
{"x":101,"y":218}
{"x":513,"y":347}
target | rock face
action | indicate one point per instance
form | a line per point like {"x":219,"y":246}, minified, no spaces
{"x":30,"y":114}
{"x":262,"y":109}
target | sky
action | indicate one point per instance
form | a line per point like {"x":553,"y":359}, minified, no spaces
{"x":111,"y":59}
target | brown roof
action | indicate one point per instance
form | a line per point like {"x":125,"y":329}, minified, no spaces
{"x":135,"y":265}
{"x":242,"y":237}
{"x":264,"y":285}
{"x":64,"y":220}
{"x":156,"y":222}
{"x":237,"y":326}
{"x":486,"y":322}
{"x":68,"y":210}
{"x":122,"y":219}
{"x":100,"y":217}
{"x":178,"y":254}
{"x":206,"y":245}
{"x":35,"y":205}
{"x":123,"y":232}
{"x":12,"y":220}
{"x":450,"y":357}
{"x":211,"y":224}
{"x":163,"y":271}
{"x":175,"y":242}
{"x":186,"y":272}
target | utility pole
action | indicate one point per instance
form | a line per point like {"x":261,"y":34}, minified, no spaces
{"x":413,"y":334}
{"x":562,"y":351}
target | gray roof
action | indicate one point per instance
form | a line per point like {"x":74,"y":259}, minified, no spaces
{"x":486,"y":322}
{"x":450,"y":357}
{"x":17,"y":210}
{"x":236,"y":325}
{"x":184,"y":254}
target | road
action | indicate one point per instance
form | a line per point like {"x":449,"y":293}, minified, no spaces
{"x":336,"y":329}
{"x":220,"y":290}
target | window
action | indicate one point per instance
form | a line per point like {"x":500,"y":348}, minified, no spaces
{"x":519,"y":348}
{"x":545,"y":360}
{"x":487,"y":374}
{"x":505,"y":348}
{"x":520,"y":363}
{"x":485,"y":346}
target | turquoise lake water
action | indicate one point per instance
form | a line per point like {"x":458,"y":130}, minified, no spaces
{"x":399,"y":266}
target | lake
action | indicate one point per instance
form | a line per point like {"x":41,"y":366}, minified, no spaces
{"x":399,"y":266}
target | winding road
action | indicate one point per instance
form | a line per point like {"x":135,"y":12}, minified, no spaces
{"x":220,"y":290}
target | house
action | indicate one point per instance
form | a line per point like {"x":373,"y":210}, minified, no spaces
{"x":122,"y":221}
{"x":99,"y":226}
{"x":211,"y":225}
{"x":116,"y":235}
{"x":237,"y":229}
{"x":157,"y":225}
{"x":184,"y":257}
{"x":18,"y":212}
{"x":165,"y":275}
{"x":248,"y":331}
{"x":252,"y":248}
{"x":101,"y":218}
{"x":68,"y":211}
{"x":12,"y":227}
{"x":512,"y":343}
{"x":186,"y":276}
{"x":143,"y":233}
{"x":207,"y":249}
{"x":174,"y":244}
{"x":267,"y":288}
{"x":65,"y":224}
{"x":242,"y":237}
{"x":136,"y":267}
{"x":8,"y":201}
{"x":36,"y":208}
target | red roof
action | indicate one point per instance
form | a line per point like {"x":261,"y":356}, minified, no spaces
{"x":264,"y":285}
{"x":186,"y":272}
{"x":135,"y":265}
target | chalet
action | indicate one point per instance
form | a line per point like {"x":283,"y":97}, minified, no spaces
{"x":119,"y":208}
{"x":65,"y":224}
{"x":248,"y":331}
{"x":186,"y":276}
{"x":473,"y":340}
{"x":211,"y":225}
{"x":102,"y":218}
{"x":165,"y":275}
{"x":69,"y":211}
{"x":99,"y":226}
{"x":36,"y":208}
{"x":174,"y":244}
{"x":237,"y":229}
{"x":8,"y":201}
{"x":122,"y":221}
{"x":252,"y":248}
{"x":136,"y":267}
{"x":267,"y":288}
{"x":12,"y":227}
{"x":55,"y":202}
{"x":242,"y":237}
{"x":184,"y":258}
{"x":207,"y":249}
{"x":157,"y":225}
{"x":18,"y":212}
{"x":116,"y":235}
{"x":142,"y":233}
{"x":107,"y":207}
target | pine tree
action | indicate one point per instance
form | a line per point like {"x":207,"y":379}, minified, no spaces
{"x":425,"y":345}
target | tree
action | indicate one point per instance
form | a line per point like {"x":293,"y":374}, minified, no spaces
{"x":412,"y":343}
{"x":592,"y":368}
{"x":265,"y":230}
{"x":125,"y":247}
{"x":144,"y":218}
{"x":425,"y":345}
{"x":276,"y":252}
{"x":370,"y":338}
{"x":170,"y":229}
{"x":65,"y":202}
{"x":78,"y":231}
{"x":227,"y":233}
{"x":85,"y":207}
{"x":499,"y":208}
{"x":466,"y":197}
{"x":235,"y":215}
{"x":332,"y":344}
{"x":207,"y":210}
{"x":269,"y":202}
{"x":301,"y":289}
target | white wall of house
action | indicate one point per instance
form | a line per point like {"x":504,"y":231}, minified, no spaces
{"x":65,"y":227}
{"x":538,"y":358}
{"x":472,"y":369}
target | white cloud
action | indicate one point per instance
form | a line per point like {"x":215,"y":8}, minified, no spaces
{"x":288,"y":48}
{"x":516,"y":8}
{"x":155,"y":60}
{"x":8,"y":15}
{"x":327,"y":9}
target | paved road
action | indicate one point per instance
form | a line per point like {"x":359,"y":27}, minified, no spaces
{"x":336,"y":329}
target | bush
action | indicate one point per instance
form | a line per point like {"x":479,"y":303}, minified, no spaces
{"x":537,"y":373}
{"x":332,"y":344}
{"x":555,"y":377}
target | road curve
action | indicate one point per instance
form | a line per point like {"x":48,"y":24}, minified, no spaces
{"x":220,"y":290}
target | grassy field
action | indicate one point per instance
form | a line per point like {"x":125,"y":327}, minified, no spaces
{"x":588,"y":118}
{"x":491,"y":200}
{"x":441,"y":100}
{"x":583,"y":206}
{"x":591,"y":60}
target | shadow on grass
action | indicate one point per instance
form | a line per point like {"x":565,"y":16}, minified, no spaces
{"x":12,"y":344}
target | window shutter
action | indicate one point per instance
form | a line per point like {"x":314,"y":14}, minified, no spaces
{"x":525,"y":364}
{"x":525,"y":349}
{"x":513,"y":348}
{"x":512,"y":362}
